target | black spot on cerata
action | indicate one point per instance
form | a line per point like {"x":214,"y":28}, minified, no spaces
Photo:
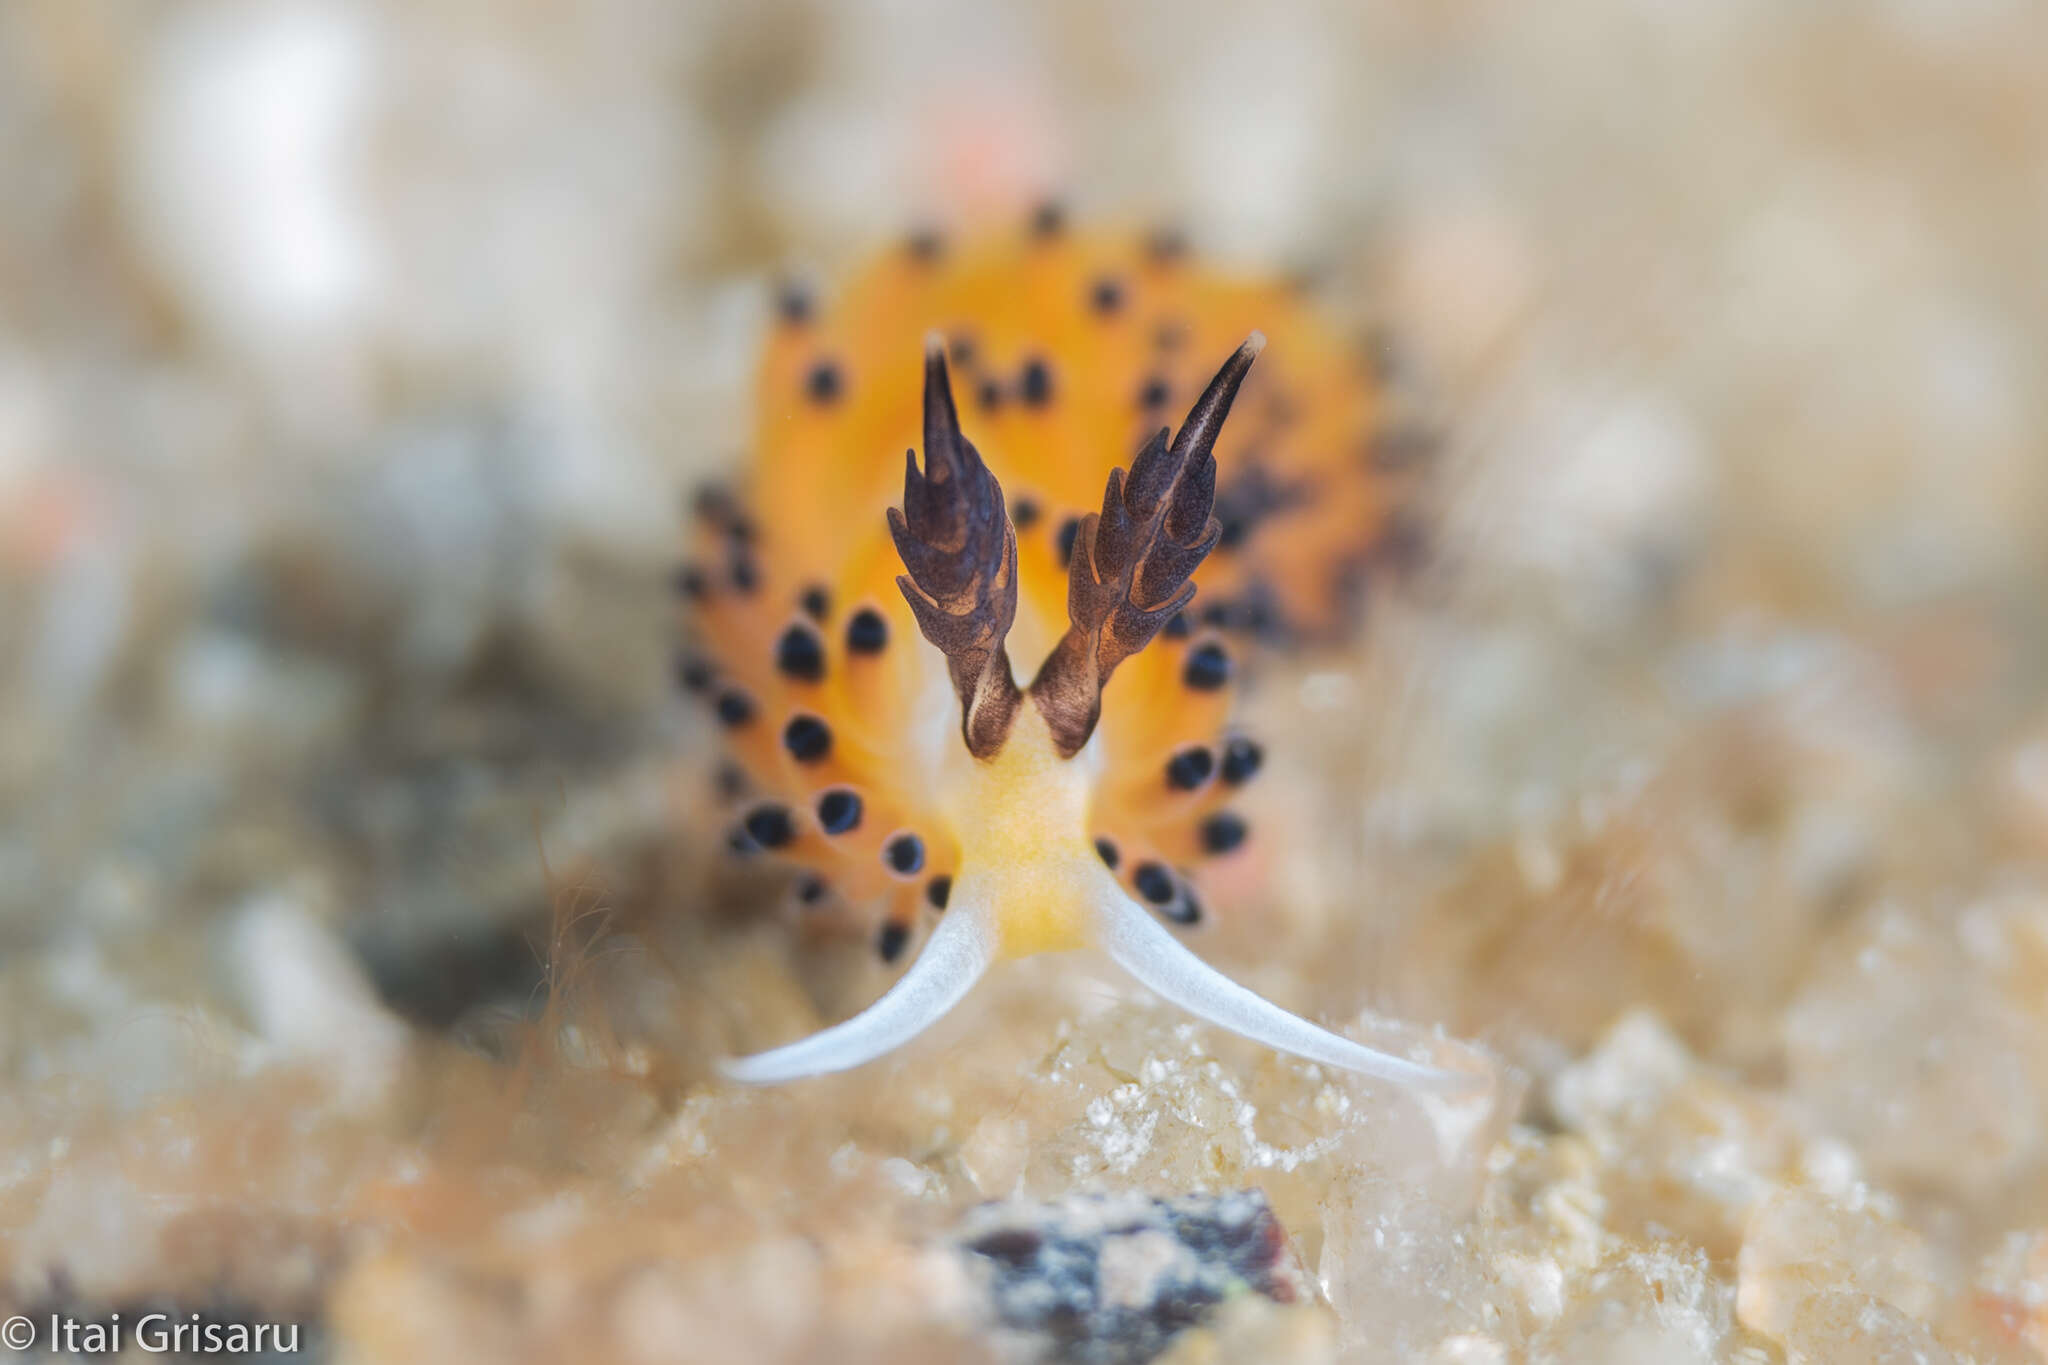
{"x":731,"y":781}
{"x":1223,"y":831}
{"x":1189,"y":768}
{"x":867,"y":632}
{"x":1241,"y":760}
{"x":715,"y":505}
{"x":1070,"y":530}
{"x":793,"y":303}
{"x":1034,"y":383}
{"x":807,"y":738}
{"x":800,"y":654}
{"x":1165,"y":244}
{"x":824,"y":382}
{"x":693,"y":674}
{"x":839,"y":810}
{"x":770,"y":826}
{"x":904,"y":854}
{"x":1207,"y":668}
{"x":1154,"y":883}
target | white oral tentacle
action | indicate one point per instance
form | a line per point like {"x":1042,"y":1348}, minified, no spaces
{"x":1164,"y":965}
{"x":954,"y":958}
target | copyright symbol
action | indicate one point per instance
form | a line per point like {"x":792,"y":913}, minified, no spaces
{"x":18,"y":1333}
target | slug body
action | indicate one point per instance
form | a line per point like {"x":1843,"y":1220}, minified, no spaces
{"x":1050,"y":765}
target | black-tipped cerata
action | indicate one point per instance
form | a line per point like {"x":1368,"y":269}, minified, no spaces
{"x":770,"y":826}
{"x":1207,"y":667}
{"x":730,"y":781}
{"x":1190,"y":768}
{"x":1064,"y":538}
{"x":807,"y":738}
{"x":694,"y":674}
{"x":1241,"y":760}
{"x":1154,"y":883}
{"x":823,"y":382}
{"x":839,"y":811}
{"x":867,"y":632}
{"x":793,"y":303}
{"x":1223,"y":832}
{"x":800,"y":654}
{"x":904,"y":854}
{"x":1034,"y":383}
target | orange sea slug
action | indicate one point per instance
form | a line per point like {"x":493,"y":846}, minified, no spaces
{"x":988,"y":688}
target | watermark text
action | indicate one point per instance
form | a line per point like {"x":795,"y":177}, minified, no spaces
{"x":150,"y":1333}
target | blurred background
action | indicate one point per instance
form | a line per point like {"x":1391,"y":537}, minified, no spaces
{"x":356,"y":357}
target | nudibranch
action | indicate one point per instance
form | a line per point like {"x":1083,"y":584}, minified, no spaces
{"x":995,"y":696}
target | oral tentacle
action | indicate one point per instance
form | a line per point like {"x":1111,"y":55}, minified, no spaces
{"x":954,"y":958}
{"x":1164,"y":965}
